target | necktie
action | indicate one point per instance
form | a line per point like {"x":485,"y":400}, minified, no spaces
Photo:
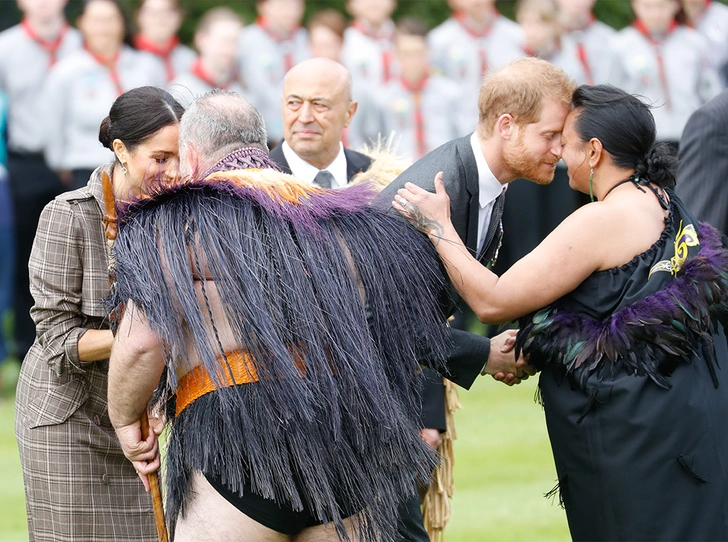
{"x":324,"y":179}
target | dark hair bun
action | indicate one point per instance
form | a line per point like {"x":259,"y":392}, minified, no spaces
{"x":658,"y":166}
{"x":105,"y":134}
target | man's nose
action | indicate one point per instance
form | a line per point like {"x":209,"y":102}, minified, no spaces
{"x":556,"y":149}
{"x":305,"y":114}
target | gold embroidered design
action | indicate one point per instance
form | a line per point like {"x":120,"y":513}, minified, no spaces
{"x":686,"y":237}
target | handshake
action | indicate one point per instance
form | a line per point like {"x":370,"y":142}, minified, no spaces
{"x":502,"y":364}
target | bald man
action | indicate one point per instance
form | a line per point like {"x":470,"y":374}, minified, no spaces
{"x":317,"y":107}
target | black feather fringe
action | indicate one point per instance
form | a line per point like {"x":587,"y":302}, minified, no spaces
{"x":649,"y":337}
{"x":289,"y":274}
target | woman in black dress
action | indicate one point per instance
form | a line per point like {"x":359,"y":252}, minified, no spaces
{"x":620,"y":308}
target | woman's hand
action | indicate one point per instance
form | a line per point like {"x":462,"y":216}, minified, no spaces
{"x":427,"y":212}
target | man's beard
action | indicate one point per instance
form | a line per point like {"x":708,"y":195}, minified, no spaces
{"x":524,"y":165}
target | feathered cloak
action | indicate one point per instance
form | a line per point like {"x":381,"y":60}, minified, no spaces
{"x":635,"y":395}
{"x":290,"y":262}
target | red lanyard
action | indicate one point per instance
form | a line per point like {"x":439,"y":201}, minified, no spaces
{"x":416,"y":88}
{"x":581,"y":52}
{"x":385,"y":37}
{"x":657,"y":45}
{"x":199,"y":71}
{"x":477,"y":33}
{"x":279,"y":37}
{"x":50,"y":47}
{"x":109,"y":64}
{"x":162,"y":51}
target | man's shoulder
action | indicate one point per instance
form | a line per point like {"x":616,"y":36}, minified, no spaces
{"x":628,"y":37}
{"x":602,"y":29}
{"x":711,"y":115}
{"x":443,"y":33}
{"x":505,"y":27}
{"x":450,"y":158}
{"x":11,"y":34}
{"x":717,"y":11}
{"x":357,"y":159}
{"x":276,"y":154}
{"x":442,"y":157}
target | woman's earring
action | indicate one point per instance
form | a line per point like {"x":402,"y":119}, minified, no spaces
{"x":591,"y":185}
{"x":123,"y":169}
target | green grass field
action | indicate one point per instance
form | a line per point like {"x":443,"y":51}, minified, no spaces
{"x":503,"y":467}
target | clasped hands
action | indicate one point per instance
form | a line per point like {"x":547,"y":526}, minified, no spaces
{"x":502,"y":364}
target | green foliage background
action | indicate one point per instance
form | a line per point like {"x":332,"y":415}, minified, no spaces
{"x":616,"y":13}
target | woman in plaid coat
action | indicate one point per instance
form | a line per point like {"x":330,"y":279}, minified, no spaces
{"x":78,"y":484}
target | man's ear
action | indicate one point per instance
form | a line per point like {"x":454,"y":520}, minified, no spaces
{"x":595,"y":152}
{"x":506,"y":126}
{"x":350,"y":111}
{"x":192,"y":160}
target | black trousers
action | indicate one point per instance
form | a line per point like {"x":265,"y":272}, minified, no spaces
{"x":410,"y":525}
{"x":33,"y":185}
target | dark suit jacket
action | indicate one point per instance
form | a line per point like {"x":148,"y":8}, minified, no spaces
{"x":356,"y":162}
{"x":460,"y":175}
{"x":703,"y":170}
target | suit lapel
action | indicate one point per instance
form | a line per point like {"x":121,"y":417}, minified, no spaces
{"x":355,"y":163}
{"x":279,"y":158}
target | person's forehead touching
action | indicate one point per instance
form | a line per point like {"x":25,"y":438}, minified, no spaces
{"x":553,"y":115}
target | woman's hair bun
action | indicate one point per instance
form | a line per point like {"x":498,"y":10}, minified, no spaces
{"x":658,"y":166}
{"x":105,"y":134}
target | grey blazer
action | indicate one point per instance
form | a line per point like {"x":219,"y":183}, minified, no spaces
{"x":703,"y":170}
{"x":460,"y":175}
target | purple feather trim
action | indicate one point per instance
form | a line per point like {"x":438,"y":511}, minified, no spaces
{"x":651,"y":336}
{"x":313,"y":203}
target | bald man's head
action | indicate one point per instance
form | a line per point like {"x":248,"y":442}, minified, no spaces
{"x":317,"y":106}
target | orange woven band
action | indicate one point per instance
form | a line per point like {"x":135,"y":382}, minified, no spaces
{"x":236,"y":368}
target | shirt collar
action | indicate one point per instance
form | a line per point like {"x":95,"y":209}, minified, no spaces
{"x":306,"y":172}
{"x":490,"y":187}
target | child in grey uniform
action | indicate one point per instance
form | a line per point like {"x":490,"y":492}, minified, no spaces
{"x":710,"y":18}
{"x":667,"y":63}
{"x":475,"y":39}
{"x":81,"y":88}
{"x":216,"y":39}
{"x":268,"y":49}
{"x":419,"y":107}
{"x":592,"y":41}
{"x":27,"y":53}
{"x":159,"y":21}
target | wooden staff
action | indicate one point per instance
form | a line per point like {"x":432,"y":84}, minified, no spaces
{"x":155,"y":489}
{"x":111,"y":230}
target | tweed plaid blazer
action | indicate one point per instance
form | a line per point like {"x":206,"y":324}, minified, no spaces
{"x":78,"y":484}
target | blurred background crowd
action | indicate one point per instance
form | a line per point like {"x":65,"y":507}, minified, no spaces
{"x":416,"y":70}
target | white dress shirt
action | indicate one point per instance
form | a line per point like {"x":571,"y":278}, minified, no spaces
{"x":490,"y":189}
{"x":306,"y":172}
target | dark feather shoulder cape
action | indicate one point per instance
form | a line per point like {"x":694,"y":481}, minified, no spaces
{"x":288,"y":260}
{"x":649,"y":337}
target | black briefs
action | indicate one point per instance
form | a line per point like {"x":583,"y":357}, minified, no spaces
{"x":277,"y":516}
